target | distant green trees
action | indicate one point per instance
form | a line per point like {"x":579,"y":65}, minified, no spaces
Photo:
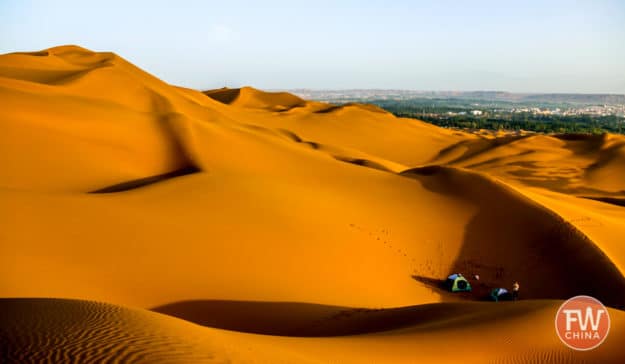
{"x":543,"y":124}
{"x":497,"y":117}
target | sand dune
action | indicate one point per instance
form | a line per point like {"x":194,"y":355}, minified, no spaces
{"x":513,"y":236}
{"x":577,"y":164}
{"x":120,"y":188}
{"x":54,"y":330}
{"x":249,"y":97}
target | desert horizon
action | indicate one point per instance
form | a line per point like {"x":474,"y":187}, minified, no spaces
{"x":148,"y":222}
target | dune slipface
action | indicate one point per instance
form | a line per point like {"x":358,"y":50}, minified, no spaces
{"x":226,"y":207}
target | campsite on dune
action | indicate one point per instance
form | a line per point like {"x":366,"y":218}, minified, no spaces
{"x":238,"y":225}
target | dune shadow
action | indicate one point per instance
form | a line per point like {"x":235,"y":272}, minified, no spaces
{"x":499,"y":159}
{"x":273,"y":318}
{"x":165,"y":119}
{"x":34,"y":54}
{"x":363,"y":163}
{"x":473,"y":148}
{"x":257,"y":99}
{"x":223,"y":95}
{"x":606,"y":156}
{"x":141,"y":182}
{"x":297,"y":139}
{"x":611,"y":200}
{"x":316,"y":146}
{"x":512,"y":238}
{"x":329,"y":109}
{"x":479,"y":290}
{"x":316,"y":320}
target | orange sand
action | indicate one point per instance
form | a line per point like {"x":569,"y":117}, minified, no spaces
{"x":520,"y":332}
{"x":120,"y":188}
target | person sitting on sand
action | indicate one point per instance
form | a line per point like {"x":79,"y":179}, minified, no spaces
{"x":515,"y":291}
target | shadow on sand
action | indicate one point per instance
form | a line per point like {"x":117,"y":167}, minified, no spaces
{"x":512,"y":238}
{"x":315,"y":320}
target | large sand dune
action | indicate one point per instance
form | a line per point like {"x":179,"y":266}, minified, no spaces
{"x":54,"y":330}
{"x":120,"y":188}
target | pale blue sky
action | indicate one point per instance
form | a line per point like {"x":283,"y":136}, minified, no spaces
{"x":527,"y":46}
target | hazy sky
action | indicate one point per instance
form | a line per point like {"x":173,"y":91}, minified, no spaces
{"x":539,"y":46}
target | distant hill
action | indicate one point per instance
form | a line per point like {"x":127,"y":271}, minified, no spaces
{"x":577,"y":98}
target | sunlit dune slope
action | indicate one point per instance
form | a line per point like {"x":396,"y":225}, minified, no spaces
{"x":53,"y":330}
{"x":361,"y":128}
{"x":74,"y":119}
{"x":590,"y":165}
{"x":119,"y":187}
